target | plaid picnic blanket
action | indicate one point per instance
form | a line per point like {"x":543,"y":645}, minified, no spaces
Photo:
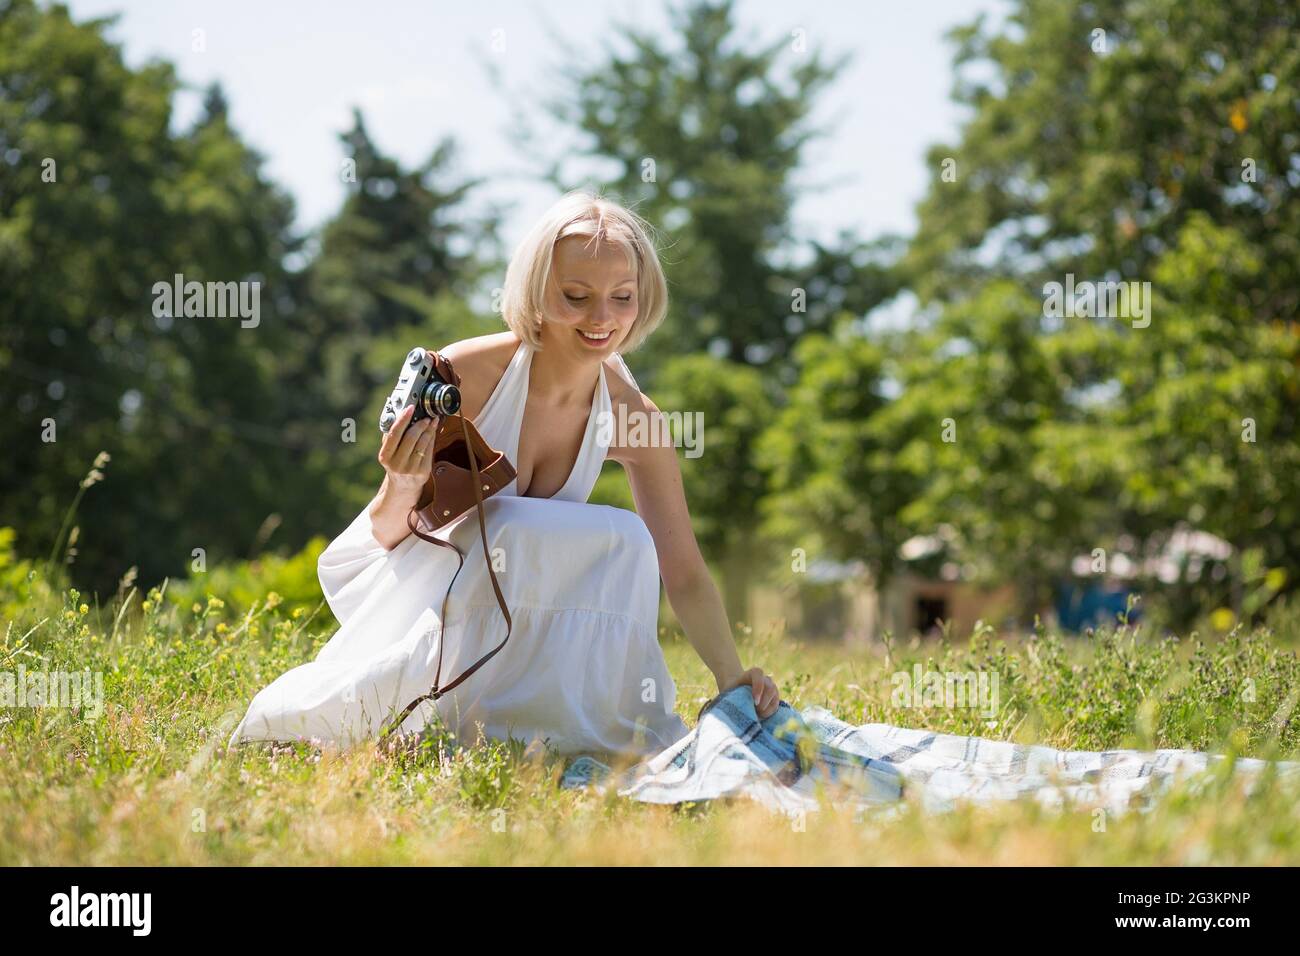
{"x":791,"y":761}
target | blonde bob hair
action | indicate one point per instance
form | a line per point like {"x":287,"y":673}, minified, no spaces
{"x":583,"y":213}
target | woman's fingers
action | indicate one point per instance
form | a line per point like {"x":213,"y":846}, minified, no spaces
{"x":423,"y":463}
{"x":407,"y":450}
{"x":766,"y":696}
{"x":404,"y":460}
{"x":393,"y":437}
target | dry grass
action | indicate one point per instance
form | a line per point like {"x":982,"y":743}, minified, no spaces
{"x":148,"y":782}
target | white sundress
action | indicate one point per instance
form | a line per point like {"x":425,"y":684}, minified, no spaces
{"x":582,"y":671}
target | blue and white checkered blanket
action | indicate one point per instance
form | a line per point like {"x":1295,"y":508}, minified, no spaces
{"x":793,"y":761}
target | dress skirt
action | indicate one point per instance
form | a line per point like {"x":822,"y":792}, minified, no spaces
{"x":582,"y":672}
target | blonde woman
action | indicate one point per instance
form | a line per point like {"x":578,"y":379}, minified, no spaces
{"x":583,"y":670}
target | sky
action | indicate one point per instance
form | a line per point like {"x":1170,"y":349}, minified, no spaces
{"x":293,"y":70}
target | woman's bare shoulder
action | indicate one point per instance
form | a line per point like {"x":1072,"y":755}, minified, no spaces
{"x":480,"y":362}
{"x":483,"y":351}
{"x":629,"y":405}
{"x":622,"y":393}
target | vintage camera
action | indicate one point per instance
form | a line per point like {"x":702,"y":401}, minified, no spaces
{"x":420,"y":385}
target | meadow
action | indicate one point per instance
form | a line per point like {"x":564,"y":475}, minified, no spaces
{"x":148,"y":779}
{"x":878,"y":344}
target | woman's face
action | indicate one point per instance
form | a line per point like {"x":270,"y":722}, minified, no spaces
{"x":592,"y":303}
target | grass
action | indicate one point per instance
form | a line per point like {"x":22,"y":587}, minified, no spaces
{"x":150,"y":782}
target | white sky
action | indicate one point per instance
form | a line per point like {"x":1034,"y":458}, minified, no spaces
{"x":293,"y":70}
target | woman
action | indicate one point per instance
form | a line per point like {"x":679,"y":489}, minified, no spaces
{"x":583,"y":670}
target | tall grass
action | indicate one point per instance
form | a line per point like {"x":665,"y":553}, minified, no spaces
{"x":150,"y":781}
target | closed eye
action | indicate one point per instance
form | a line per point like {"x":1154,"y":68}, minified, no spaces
{"x":583,"y":298}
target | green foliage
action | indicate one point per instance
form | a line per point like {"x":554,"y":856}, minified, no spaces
{"x":1085,"y":433}
{"x":726,"y":480}
{"x":223,"y":437}
{"x":100,"y":200}
{"x":1209,"y":400}
{"x":389,"y":263}
{"x":1098,"y":158}
{"x":20,"y":581}
{"x":835,"y":480}
{"x":1164,"y":153}
{"x":292,"y":580}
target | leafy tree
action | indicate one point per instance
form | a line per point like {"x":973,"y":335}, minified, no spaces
{"x":726,"y":478}
{"x":706,"y":140}
{"x":100,"y":200}
{"x":401,"y":239}
{"x":1208,"y":403}
{"x":836,"y":488}
{"x":395,"y":269}
{"x":1162,"y":150}
{"x":226,"y":434}
{"x":996,"y":443}
{"x":1098,"y":128}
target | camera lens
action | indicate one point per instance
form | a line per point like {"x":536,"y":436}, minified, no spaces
{"x":440,"y":399}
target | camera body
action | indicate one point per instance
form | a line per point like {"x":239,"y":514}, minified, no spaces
{"x":419,"y":384}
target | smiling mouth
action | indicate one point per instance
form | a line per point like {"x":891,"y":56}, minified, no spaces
{"x":596,"y":337}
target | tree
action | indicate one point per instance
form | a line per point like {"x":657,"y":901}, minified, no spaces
{"x":395,"y":269}
{"x":706,"y":140}
{"x":725,"y":478}
{"x":400,"y":241}
{"x":226,"y":432}
{"x":1138,"y":142}
{"x":1097,"y":129}
{"x":836,"y":488}
{"x":1209,"y":404}
{"x":99,"y":202}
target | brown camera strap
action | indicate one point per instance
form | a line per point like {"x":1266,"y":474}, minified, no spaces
{"x":438,"y":690}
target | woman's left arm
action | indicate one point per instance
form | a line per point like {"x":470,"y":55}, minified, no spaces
{"x":655,"y":476}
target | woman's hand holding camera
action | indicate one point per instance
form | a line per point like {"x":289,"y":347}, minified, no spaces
{"x":407,"y":457}
{"x":407,"y":453}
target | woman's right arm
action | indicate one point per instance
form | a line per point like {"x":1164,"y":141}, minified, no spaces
{"x":408,"y":462}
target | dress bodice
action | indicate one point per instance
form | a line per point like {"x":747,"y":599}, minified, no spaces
{"x":502,"y":417}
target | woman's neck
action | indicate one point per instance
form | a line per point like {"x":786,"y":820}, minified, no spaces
{"x":563,"y":379}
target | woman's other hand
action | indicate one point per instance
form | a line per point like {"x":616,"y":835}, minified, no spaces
{"x":766,"y":695}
